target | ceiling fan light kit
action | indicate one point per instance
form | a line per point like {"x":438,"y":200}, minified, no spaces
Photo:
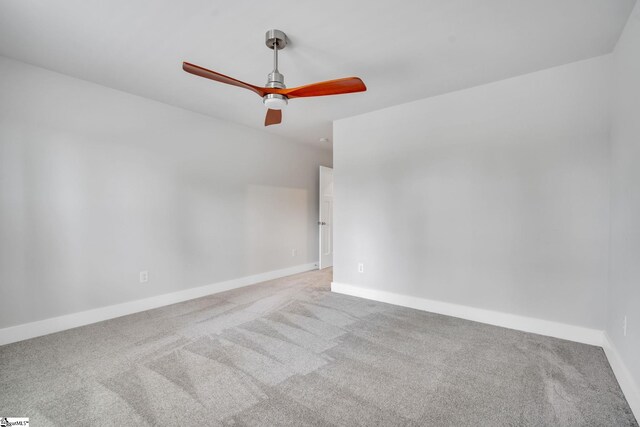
{"x":275,"y":95}
{"x":275,"y":101}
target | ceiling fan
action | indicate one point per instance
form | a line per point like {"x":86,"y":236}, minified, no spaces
{"x":275,"y":94}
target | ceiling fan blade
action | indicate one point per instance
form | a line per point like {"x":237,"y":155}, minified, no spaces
{"x":273,"y":117}
{"x":212,"y":75}
{"x":330,"y":87}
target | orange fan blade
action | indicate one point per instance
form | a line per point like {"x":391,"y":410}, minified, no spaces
{"x":209,"y":74}
{"x":273,"y":117}
{"x":330,"y":87}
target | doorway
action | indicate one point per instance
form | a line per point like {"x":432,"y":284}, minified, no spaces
{"x":325,"y":222}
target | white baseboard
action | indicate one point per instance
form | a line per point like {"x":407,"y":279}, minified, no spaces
{"x":497,"y":318}
{"x":73,"y":320}
{"x":628,"y":385}
{"x":527,"y":324}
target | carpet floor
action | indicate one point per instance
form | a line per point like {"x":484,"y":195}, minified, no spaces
{"x":290,"y":352}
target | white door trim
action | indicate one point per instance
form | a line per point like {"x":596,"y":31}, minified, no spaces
{"x":325,"y":224}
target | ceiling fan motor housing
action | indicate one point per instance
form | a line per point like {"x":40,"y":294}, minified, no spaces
{"x":276,"y":80}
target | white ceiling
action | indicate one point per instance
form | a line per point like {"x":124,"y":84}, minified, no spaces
{"x":403,"y":50}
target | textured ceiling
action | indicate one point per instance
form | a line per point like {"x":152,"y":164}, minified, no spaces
{"x":402,"y":50}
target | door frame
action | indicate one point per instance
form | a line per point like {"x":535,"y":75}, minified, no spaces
{"x":322,"y":170}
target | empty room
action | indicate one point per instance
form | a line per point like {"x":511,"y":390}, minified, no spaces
{"x":336,"y":213}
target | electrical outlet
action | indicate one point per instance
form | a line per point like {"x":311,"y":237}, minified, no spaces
{"x":360,"y":267}
{"x":144,"y":276}
{"x":624,"y":326}
{"x":294,"y":252}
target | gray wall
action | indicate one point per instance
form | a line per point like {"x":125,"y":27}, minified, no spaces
{"x":625,"y":198}
{"x":495,"y":197}
{"x":97,"y":185}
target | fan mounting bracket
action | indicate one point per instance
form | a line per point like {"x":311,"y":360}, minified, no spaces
{"x":276,"y":38}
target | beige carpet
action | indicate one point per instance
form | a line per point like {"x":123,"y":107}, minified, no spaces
{"x":289,"y":352}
